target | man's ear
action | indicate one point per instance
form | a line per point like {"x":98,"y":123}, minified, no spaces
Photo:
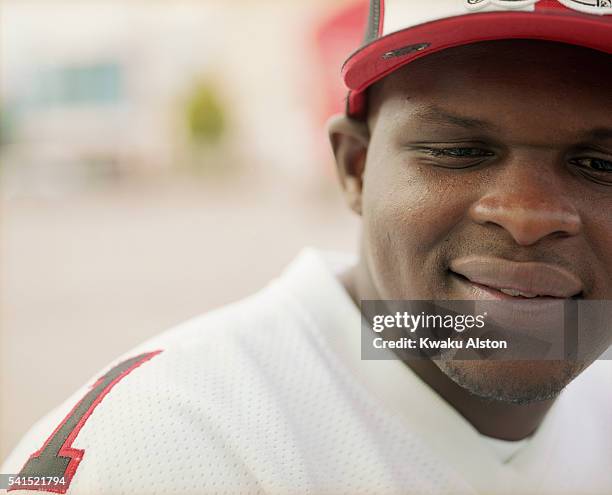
{"x":350,"y":139}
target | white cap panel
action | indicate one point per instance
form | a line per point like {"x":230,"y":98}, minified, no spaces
{"x":402,"y":14}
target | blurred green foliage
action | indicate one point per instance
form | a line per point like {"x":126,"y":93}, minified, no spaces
{"x":205,"y":115}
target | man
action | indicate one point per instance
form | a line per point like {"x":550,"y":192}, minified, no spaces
{"x":479,"y":156}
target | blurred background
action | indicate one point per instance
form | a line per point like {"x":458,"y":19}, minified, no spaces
{"x":157,"y":159}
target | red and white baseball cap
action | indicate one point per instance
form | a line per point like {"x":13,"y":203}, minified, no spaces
{"x":400,"y":31}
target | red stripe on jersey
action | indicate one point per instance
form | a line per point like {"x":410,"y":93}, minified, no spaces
{"x":49,"y":460}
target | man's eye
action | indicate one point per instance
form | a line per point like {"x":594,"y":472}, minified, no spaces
{"x":459,"y":152}
{"x":596,"y":164}
{"x":594,"y":169}
{"x":452,"y":157}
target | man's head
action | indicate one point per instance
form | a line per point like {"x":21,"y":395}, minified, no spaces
{"x":500,"y":151}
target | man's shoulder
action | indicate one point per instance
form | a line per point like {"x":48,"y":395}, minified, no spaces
{"x":233,"y":324}
{"x":172,"y":389}
{"x":213,"y":397}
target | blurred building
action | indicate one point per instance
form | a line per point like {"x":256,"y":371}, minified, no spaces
{"x":97,"y":90}
{"x":158,"y":158}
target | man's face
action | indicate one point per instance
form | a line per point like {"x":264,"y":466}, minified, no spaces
{"x":485,"y":155}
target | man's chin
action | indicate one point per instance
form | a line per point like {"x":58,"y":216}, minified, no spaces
{"x":516,"y":382}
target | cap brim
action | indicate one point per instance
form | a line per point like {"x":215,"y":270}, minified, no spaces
{"x":387,"y":54}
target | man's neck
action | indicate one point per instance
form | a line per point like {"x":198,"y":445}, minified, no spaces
{"x":492,"y":418}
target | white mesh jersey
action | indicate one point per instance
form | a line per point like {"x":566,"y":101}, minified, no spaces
{"x":269,"y":395}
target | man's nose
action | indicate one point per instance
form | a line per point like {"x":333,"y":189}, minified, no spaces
{"x":530,"y":203}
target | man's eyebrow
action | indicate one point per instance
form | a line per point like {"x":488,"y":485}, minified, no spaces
{"x":437,"y":115}
{"x":599,"y":134}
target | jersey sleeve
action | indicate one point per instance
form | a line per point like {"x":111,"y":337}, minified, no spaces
{"x":191,"y":411}
{"x":47,"y":459}
{"x":135,"y":429}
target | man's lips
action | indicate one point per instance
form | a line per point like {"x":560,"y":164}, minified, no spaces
{"x":518,"y":279}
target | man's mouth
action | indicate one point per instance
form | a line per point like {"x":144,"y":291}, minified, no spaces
{"x":500,"y":279}
{"x":521,"y":299}
{"x":517,"y":293}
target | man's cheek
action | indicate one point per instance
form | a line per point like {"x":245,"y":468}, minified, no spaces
{"x":604,"y":254}
{"x":398,"y":236}
{"x":405,"y":219}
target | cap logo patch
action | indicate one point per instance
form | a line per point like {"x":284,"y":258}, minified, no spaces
{"x":601,"y":7}
{"x":508,"y":4}
{"x":597,"y":7}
